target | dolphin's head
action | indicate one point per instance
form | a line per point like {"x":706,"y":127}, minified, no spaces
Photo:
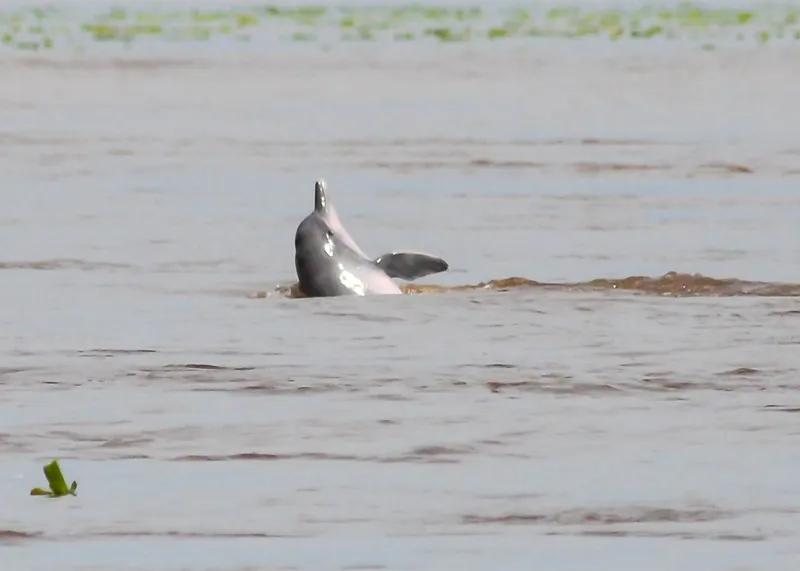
{"x":318,"y":249}
{"x":315,"y":231}
{"x":315,"y":248}
{"x":314,"y":236}
{"x":324,"y":210}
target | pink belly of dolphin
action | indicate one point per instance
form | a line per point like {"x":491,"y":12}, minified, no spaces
{"x":378,"y":282}
{"x":375,"y":280}
{"x":332,"y":219}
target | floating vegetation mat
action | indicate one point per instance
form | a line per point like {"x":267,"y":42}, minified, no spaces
{"x":33,"y":28}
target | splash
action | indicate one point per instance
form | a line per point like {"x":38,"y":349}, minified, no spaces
{"x":670,"y":284}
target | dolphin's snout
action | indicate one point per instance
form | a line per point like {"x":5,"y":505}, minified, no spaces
{"x":320,"y":201}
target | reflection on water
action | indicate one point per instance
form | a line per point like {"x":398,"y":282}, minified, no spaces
{"x":607,"y":372}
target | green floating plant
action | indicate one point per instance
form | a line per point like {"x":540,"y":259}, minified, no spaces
{"x":693,"y":20}
{"x":58,"y":486}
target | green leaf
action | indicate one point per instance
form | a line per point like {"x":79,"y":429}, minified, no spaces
{"x":58,"y":486}
{"x":648,"y":33}
{"x":55,"y":478}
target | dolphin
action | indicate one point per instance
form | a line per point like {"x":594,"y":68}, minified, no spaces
{"x":330,"y":263}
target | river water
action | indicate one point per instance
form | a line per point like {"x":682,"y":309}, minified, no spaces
{"x":606,"y":377}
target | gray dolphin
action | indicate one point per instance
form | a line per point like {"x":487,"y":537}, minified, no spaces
{"x":330,"y":263}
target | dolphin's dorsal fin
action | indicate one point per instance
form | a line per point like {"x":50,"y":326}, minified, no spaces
{"x":410,"y":265}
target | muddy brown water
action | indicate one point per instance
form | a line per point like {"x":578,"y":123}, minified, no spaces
{"x":606,"y":378}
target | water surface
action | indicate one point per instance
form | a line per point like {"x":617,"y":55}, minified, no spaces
{"x":606,"y":377}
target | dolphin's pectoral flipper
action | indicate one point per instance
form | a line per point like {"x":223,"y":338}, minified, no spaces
{"x":410,"y":265}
